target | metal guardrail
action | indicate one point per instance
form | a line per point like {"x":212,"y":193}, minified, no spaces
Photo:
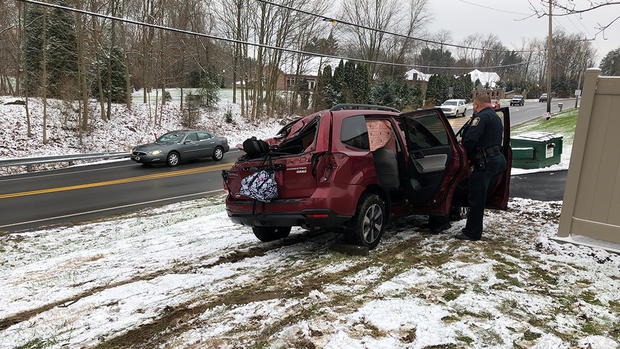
{"x":28,"y":162}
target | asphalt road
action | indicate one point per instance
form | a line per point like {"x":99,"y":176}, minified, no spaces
{"x":80,"y":193}
{"x":543,"y":186}
{"x":529,"y":111}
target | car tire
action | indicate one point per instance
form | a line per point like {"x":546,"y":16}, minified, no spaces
{"x":369,"y":222}
{"x":218,"y":153}
{"x":266,"y":234}
{"x":173,"y":159}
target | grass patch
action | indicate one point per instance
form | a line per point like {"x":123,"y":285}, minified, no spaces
{"x":452,"y":294}
{"x":563,"y":123}
{"x":542,"y":275}
{"x":530,"y":336}
{"x":503,"y":272}
{"x":464,"y":339}
{"x":590,"y":297}
{"x":449,"y":319}
{"x":592,"y":328}
{"x":38,"y":343}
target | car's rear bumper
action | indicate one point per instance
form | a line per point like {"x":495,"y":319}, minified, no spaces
{"x":309,"y":218}
{"x":327,"y":207}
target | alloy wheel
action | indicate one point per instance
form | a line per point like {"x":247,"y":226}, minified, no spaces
{"x":173,"y":159}
{"x":218,"y":154}
{"x":372,"y":224}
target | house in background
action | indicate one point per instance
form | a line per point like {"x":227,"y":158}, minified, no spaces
{"x":293,"y":70}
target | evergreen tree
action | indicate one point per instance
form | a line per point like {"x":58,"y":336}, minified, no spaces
{"x":62,"y":53}
{"x":338,"y":82}
{"x":610,"y":65}
{"x":478,"y":84}
{"x":360,"y":84}
{"x":330,"y":93}
{"x":384,"y":93}
{"x":437,"y":90}
{"x":210,"y":88}
{"x":348,"y":83}
{"x":318,"y":97}
{"x":33,"y":47}
{"x":117,"y":76}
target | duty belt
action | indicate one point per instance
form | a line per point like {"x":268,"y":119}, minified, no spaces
{"x":492,"y":151}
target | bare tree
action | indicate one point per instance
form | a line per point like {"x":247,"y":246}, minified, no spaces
{"x":570,"y":7}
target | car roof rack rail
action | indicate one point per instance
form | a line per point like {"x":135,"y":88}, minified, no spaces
{"x":362,"y":106}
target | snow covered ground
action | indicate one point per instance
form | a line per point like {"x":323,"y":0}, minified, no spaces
{"x":183,"y":275}
{"x":126,"y":129}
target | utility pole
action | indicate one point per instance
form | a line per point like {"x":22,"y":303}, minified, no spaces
{"x":582,"y":68}
{"x":549,"y":60}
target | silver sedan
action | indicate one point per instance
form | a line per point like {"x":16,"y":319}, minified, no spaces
{"x":175,"y":146}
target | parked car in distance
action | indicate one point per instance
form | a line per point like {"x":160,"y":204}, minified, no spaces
{"x":454,"y":107}
{"x":543,"y":98}
{"x":173,"y":147}
{"x":495,"y":104}
{"x":350,"y":170}
{"x":517,"y":100}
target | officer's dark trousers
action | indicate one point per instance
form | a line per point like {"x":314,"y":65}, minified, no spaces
{"x":479,"y":182}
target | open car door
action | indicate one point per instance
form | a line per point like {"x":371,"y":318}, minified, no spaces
{"x":498,"y":192}
{"x":435,"y":161}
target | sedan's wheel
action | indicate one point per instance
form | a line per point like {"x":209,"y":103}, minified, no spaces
{"x":173,"y":159}
{"x":369,"y":223}
{"x":266,"y":234}
{"x":218,"y":153}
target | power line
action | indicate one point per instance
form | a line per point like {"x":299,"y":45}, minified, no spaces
{"x":493,"y":9}
{"x":428,"y":41}
{"x":215,"y":37}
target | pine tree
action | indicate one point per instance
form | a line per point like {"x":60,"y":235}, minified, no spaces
{"x":33,"y":47}
{"x":338,"y":82}
{"x":210,"y":88}
{"x":115,"y":73}
{"x":384,"y":93}
{"x":348,"y":83}
{"x":62,"y":54}
{"x":318,"y":97}
{"x":361,"y":86}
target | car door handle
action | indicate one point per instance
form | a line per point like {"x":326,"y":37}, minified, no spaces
{"x":418,"y":155}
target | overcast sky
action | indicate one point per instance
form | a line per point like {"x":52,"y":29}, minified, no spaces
{"x":463,"y":17}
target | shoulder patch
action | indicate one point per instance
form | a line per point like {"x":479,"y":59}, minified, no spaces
{"x":475,"y":122}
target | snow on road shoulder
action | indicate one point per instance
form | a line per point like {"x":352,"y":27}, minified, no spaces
{"x":184,"y":275}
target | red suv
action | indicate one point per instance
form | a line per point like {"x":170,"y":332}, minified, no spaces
{"x":355,"y":166}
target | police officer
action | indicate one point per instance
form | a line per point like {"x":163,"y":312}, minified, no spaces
{"x":482,"y":139}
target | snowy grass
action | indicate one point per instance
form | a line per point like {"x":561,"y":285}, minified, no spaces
{"x":183,"y":275}
{"x":563,"y":123}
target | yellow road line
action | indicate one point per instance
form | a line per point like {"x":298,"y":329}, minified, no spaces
{"x":121,"y":181}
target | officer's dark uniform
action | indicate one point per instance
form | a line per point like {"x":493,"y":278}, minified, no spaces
{"x":482,"y":140}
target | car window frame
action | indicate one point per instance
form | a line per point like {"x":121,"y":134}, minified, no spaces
{"x":363,"y":116}
{"x":205,"y":139}
{"x":188,"y":135}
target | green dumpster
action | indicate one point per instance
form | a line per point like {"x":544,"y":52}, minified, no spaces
{"x":536,"y":149}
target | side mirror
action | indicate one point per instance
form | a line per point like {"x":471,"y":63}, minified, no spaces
{"x":187,"y":142}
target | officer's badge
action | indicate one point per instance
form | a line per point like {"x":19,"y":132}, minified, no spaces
{"x":475,"y":122}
